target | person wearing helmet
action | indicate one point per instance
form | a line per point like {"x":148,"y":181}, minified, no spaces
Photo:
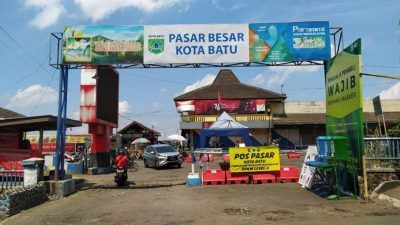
{"x":121,"y":163}
{"x":121,"y":160}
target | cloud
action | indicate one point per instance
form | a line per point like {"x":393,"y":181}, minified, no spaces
{"x":208,"y":79}
{"x":259,"y":79}
{"x":163,"y":89}
{"x":30,"y":96}
{"x":392,"y":93}
{"x":156,"y":104}
{"x":217,"y":5}
{"x":184,"y":9}
{"x":50,"y":12}
{"x":124,"y":107}
{"x":279,"y":74}
{"x":99,"y":9}
{"x":238,"y":5}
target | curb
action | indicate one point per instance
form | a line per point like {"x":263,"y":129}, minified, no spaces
{"x":385,"y":186}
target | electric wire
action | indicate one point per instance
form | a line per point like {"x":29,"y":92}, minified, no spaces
{"x":382,"y":66}
{"x":44,"y":92}
{"x":22,"y":79}
{"x":23,"y":49}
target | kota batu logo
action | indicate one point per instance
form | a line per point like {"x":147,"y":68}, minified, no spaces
{"x":156,"y":44}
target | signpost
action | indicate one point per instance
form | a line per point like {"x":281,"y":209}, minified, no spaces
{"x":254,"y":159}
{"x":378,"y":112}
{"x":307,"y":172}
{"x":344,"y":112}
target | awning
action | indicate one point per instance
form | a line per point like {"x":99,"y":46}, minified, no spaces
{"x":34,"y":123}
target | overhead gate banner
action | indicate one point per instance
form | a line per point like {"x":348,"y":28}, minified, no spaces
{"x":196,"y":43}
{"x":254,"y":159}
{"x":277,"y":42}
{"x":103,"y":44}
{"x":211,"y":43}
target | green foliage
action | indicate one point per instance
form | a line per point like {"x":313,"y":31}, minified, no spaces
{"x":395,"y":130}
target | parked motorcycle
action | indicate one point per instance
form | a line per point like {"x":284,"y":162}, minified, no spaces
{"x":121,"y":176}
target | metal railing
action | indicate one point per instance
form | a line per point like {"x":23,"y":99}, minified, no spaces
{"x":382,"y":148}
{"x":11,"y":178}
{"x":237,"y":117}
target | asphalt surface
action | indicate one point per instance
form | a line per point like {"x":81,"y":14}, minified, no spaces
{"x":160,"y":197}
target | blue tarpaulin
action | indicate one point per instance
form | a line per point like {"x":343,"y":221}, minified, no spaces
{"x":225,"y":126}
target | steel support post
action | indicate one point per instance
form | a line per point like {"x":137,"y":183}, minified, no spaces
{"x":61,"y":123}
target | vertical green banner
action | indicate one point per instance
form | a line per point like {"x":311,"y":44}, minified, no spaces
{"x":344,"y":103}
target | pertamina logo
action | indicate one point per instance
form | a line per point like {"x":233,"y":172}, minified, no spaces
{"x":156,"y":44}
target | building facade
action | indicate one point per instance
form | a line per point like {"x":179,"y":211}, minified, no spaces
{"x":267,"y":114}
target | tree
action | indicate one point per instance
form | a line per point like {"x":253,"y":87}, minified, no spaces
{"x":395,"y":130}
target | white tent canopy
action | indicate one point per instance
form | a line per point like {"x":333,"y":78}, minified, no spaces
{"x":176,"y":137}
{"x":226,"y":121}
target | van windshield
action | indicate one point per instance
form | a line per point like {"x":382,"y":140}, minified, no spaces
{"x":165,"y":149}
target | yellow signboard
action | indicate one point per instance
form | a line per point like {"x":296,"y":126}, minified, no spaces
{"x":254,"y":159}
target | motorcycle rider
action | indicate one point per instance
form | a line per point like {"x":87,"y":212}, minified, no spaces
{"x":121,"y":161}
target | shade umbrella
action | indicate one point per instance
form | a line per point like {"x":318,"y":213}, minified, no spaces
{"x":141,"y":141}
{"x":176,"y":137}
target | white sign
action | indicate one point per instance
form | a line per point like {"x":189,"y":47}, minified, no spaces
{"x":307,"y":172}
{"x":217,"y":43}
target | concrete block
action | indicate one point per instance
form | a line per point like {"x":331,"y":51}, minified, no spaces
{"x":61,"y":187}
{"x":98,"y":170}
{"x":33,"y":170}
{"x":74,"y":168}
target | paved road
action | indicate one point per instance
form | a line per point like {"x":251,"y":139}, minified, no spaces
{"x":100,"y":202}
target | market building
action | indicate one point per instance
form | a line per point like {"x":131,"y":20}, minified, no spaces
{"x":267,"y":114}
{"x":136,"y":130}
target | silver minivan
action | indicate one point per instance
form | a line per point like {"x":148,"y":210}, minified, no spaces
{"x":161,"y":155}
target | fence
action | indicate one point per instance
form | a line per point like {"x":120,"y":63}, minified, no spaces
{"x":11,"y":178}
{"x":382,"y":148}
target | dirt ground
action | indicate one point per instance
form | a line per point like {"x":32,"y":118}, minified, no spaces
{"x":160,"y":197}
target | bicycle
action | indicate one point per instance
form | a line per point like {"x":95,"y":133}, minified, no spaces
{"x":133,"y":165}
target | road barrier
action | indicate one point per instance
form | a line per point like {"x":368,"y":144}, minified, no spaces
{"x":210,"y":158}
{"x":288,"y":174}
{"x":236,"y":178}
{"x":293,"y":155}
{"x":263,"y":177}
{"x":214,"y":177}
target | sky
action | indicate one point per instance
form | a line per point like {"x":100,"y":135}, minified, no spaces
{"x":28,"y":84}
